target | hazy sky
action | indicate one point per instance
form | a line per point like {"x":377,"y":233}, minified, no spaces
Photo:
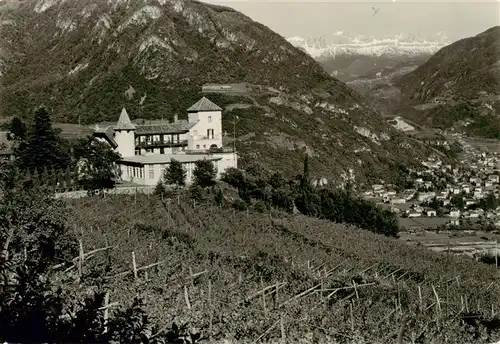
{"x":306,"y":18}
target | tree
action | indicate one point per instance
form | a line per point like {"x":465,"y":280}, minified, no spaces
{"x":97,"y":164}
{"x":489,"y":202}
{"x":234,"y":177}
{"x":458,"y":201}
{"x":204,"y":173}
{"x":17,"y":129}
{"x":307,"y":200}
{"x":306,"y":178}
{"x":175,"y":174}
{"x":42,"y":147}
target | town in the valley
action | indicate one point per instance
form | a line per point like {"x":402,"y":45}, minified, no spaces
{"x":444,"y":196}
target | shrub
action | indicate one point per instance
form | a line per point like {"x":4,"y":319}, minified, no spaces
{"x":239,"y":204}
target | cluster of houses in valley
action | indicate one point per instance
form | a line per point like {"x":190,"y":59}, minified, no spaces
{"x":481,"y":179}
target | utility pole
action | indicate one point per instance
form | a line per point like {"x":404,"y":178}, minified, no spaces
{"x":234,"y":135}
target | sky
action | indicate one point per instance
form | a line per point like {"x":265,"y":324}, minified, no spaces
{"x":307,"y":18}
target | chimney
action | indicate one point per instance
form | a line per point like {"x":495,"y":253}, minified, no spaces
{"x":176,"y":119}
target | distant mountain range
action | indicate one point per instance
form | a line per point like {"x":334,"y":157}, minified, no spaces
{"x":350,"y":57}
{"x":399,"y":45}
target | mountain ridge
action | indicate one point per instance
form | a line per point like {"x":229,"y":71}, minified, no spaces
{"x":454,"y":66}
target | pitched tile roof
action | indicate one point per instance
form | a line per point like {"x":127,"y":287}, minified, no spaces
{"x":124,"y":122}
{"x":204,"y":104}
{"x":108,"y":135}
{"x":170,"y":128}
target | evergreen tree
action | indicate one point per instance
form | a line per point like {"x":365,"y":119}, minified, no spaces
{"x":17,"y":129}
{"x":306,"y":178}
{"x":489,"y":202}
{"x":307,"y":200}
{"x":42,"y":147}
{"x":97,"y":164}
{"x":175,"y":174}
{"x":45,"y":177}
{"x":204,"y":173}
{"x":36,"y":177}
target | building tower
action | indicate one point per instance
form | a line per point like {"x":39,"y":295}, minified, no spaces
{"x":125,"y":135}
{"x":208,"y":130}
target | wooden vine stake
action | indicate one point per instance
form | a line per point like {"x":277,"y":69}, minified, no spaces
{"x":496,"y":254}
{"x":352,"y":316}
{"x":282,"y":328}
{"x":191,"y":276}
{"x":106,"y":312}
{"x":210,"y":330}
{"x":134,"y":265}
{"x":263,"y":296}
{"x":276,"y":300}
{"x":186,"y":297}
{"x":421,"y":306}
{"x":438,"y":303}
{"x":80,"y":257}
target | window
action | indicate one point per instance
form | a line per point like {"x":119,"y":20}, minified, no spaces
{"x":197,"y":146}
{"x":162,"y":169}
{"x":162,"y":150}
{"x":151,"y":171}
{"x":205,"y":146}
{"x":210,"y":133}
{"x":209,"y":119}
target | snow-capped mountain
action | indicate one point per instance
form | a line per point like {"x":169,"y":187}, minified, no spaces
{"x":340,"y":44}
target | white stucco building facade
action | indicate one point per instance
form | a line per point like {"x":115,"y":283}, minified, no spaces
{"x":147,"y":150}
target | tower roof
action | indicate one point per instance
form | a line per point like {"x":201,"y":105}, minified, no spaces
{"x":204,"y":104}
{"x":124,"y":122}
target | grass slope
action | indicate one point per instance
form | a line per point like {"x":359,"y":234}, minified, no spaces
{"x":243,"y":253}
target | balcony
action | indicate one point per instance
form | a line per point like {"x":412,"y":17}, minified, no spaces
{"x":211,"y":150}
{"x":204,"y":136}
{"x":161,"y":144}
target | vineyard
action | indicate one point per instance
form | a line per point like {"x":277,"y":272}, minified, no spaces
{"x":275,"y":277}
